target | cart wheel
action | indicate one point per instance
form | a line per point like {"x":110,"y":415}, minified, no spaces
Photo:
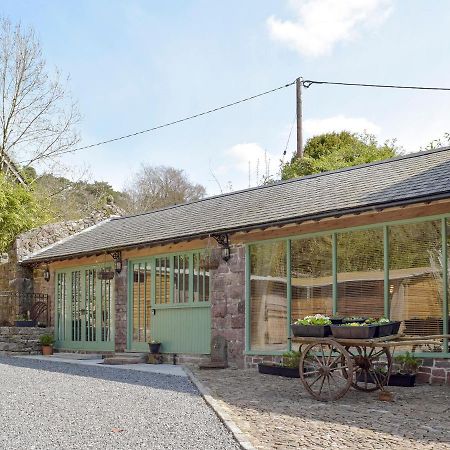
{"x":324,"y":370}
{"x":371,"y":367}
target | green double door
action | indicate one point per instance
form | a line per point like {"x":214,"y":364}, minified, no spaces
{"x":84,"y":310}
{"x":169,"y":302}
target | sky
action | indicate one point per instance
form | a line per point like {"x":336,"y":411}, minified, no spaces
{"x":137,"y":64}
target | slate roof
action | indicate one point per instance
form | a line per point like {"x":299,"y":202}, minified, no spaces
{"x":402,"y":180}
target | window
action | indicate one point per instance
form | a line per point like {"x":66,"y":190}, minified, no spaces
{"x":201,"y":278}
{"x":142,"y":284}
{"x":162,"y":280}
{"x":268,"y":297}
{"x":415,"y":278}
{"x":360,"y":273}
{"x":311,"y":276}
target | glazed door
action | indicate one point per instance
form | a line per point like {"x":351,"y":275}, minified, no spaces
{"x":84,"y":310}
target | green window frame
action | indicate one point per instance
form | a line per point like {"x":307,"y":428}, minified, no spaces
{"x":445,"y":245}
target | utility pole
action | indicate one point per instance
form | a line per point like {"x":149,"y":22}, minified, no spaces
{"x":298,"y":85}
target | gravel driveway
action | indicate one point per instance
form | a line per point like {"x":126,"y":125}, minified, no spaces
{"x":49,"y":405}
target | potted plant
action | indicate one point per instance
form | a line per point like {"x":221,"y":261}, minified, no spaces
{"x":354,"y":319}
{"x":312,"y":326}
{"x":47,"y":341}
{"x":288,"y":367}
{"x":23,"y":320}
{"x":354,"y":330}
{"x":405,"y":369}
{"x":154,"y":346}
{"x":105,"y":273}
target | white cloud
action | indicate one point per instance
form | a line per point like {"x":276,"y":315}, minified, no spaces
{"x":321,"y":24}
{"x":313,"y":127}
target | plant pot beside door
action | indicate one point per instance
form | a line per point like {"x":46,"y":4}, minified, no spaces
{"x":47,"y":341}
{"x":154,"y":347}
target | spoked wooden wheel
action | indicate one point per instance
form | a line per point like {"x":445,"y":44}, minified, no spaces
{"x":371,"y":367}
{"x":325,"y":370}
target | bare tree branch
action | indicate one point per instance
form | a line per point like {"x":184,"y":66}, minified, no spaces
{"x":37,"y":115}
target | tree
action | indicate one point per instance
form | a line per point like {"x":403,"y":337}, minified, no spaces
{"x":19,"y":211}
{"x":333,"y":151}
{"x":157,"y":187}
{"x":37,"y":115}
{"x":72,"y":200}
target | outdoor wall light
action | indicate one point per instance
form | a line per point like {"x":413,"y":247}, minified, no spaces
{"x":47,"y":274}
{"x":117,"y":256}
{"x":222,"y":240}
{"x":226,"y":253}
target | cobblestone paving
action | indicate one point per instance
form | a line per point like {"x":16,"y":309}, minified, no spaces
{"x":277,"y":412}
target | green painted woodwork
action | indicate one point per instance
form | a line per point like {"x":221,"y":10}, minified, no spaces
{"x":445,"y":223}
{"x":179,"y":304}
{"x":334,"y":268}
{"x":289,"y":290}
{"x":84,"y":310}
{"x":183,"y":330}
{"x":445,"y":286}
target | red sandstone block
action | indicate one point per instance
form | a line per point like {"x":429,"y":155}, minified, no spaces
{"x":423,"y":378}
{"x":442,"y":363}
{"x":438,"y":380}
{"x":425,"y":369}
{"x":439,"y":373}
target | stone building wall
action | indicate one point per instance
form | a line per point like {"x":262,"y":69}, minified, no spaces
{"x":120,"y":305}
{"x":228,"y":303}
{"x":18,"y":278}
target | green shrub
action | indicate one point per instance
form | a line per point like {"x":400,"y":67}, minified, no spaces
{"x":47,"y":339}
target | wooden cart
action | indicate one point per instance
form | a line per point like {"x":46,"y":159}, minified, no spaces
{"x":329,"y":366}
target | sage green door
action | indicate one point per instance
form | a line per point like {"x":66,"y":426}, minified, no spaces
{"x":169,"y":303}
{"x":84,"y":310}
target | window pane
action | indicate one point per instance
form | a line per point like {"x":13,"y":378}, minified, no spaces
{"x":360,"y":277}
{"x":181,"y":279}
{"x":162,"y":280}
{"x":312,"y":281}
{"x":268,"y":303}
{"x":201,"y":278}
{"x":415,"y":278}
{"x":448,"y":281}
{"x":141,"y":301}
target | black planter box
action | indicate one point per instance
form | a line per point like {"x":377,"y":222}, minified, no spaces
{"x":310,"y":330}
{"x":344,"y":332}
{"x":25,"y":323}
{"x":336,"y":320}
{"x":274,"y":369}
{"x":387,"y":329}
{"x":401,"y":379}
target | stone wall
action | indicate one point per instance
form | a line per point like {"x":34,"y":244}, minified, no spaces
{"x":228,"y":303}
{"x":22,"y":340}
{"x":121,"y":304}
{"x":434,"y":371}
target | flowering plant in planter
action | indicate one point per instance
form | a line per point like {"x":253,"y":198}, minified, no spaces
{"x":317,"y":319}
{"x":154,"y":346}
{"x":317,"y":325}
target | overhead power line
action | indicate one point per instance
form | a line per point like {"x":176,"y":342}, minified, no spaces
{"x":308,"y":83}
{"x":168,"y":124}
{"x":302,"y":82}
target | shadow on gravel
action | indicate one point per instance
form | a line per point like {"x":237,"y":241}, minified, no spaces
{"x":134,"y":377}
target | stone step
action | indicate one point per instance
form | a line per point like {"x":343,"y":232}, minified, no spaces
{"x":122,"y":360}
{"x":77,"y":356}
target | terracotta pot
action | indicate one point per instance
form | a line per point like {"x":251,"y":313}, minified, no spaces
{"x":47,"y":350}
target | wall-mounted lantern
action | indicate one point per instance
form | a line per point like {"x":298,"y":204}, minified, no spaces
{"x":47,"y":274}
{"x":222,"y":240}
{"x":117,"y":256}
